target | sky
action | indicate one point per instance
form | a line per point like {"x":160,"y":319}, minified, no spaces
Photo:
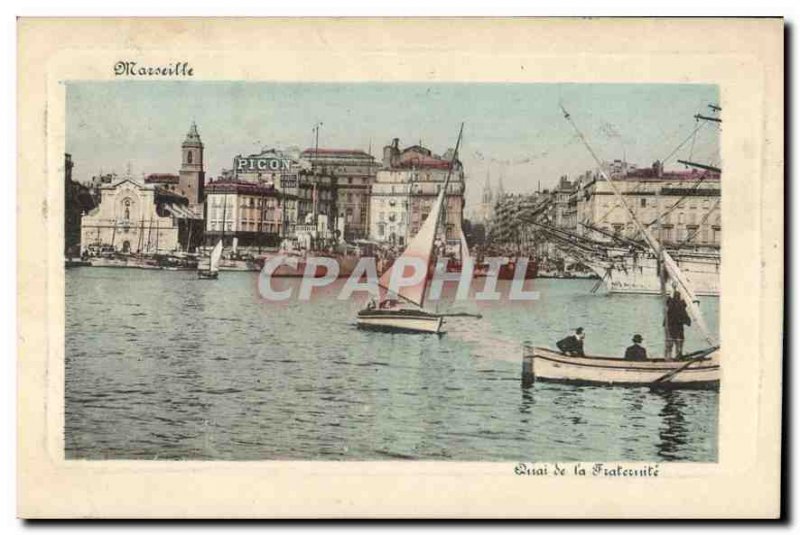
{"x":513,"y":131}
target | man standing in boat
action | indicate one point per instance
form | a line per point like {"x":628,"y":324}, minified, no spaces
{"x":636,"y":351}
{"x":572,"y":344}
{"x":676,"y":318}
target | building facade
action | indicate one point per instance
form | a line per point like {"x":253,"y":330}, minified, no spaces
{"x":134,"y":217}
{"x":682,"y":209}
{"x":246,"y":213}
{"x":354,"y":172}
{"x":306,"y":196}
{"x":405,"y":190}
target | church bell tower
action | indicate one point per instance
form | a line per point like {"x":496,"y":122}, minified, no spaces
{"x":192,"y":173}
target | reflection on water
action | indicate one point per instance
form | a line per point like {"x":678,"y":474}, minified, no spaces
{"x":160,"y":365}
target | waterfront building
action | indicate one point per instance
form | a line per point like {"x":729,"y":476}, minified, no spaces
{"x":354,"y":172}
{"x":135,"y":217}
{"x":244,"y":213}
{"x":405,"y":189}
{"x":307,"y":197}
{"x":682,"y":207}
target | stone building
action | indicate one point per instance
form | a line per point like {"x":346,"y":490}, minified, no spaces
{"x":686,"y":202}
{"x":192,"y":176}
{"x":135,"y":217}
{"x":307,"y":197}
{"x":245,"y":212}
{"x":354,"y":172}
{"x":405,"y":189}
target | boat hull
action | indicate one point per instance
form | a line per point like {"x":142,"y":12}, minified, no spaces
{"x":401,"y":321}
{"x":640,"y":276}
{"x":551,"y":366}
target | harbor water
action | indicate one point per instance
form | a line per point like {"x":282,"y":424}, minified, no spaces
{"x":161,"y":365}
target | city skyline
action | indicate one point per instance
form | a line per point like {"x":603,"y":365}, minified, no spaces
{"x":513,"y":131}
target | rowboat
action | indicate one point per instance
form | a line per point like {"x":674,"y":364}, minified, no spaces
{"x":699,"y":371}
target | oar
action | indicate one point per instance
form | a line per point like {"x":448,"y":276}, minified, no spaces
{"x":701,"y":355}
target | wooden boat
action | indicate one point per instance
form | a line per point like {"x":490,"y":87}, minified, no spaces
{"x":409,"y":316}
{"x":212,"y":272}
{"x":698,"y":371}
{"x":401,"y":320}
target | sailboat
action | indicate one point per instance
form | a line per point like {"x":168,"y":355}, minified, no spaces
{"x":700,"y":369}
{"x":213,"y":263}
{"x":407,"y":314}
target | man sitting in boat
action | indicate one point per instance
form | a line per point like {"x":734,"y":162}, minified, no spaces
{"x":636,"y":351}
{"x":676,"y":318}
{"x":388,"y":303}
{"x":572,"y":344}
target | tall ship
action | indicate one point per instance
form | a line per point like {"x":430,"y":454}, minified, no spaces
{"x":587,"y":222}
{"x":624,"y":272}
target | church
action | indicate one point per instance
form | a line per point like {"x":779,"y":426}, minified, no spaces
{"x":160,"y":214}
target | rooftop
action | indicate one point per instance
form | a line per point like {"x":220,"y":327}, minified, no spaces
{"x":161,"y":178}
{"x":240,"y":186}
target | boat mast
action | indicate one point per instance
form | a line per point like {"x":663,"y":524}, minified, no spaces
{"x":699,"y":117}
{"x":669,"y":264}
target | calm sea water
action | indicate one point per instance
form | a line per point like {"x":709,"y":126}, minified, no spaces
{"x":161,"y":365}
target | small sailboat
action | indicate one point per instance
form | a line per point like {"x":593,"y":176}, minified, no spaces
{"x":406,"y":314}
{"x":213,"y":263}
{"x":700,"y":369}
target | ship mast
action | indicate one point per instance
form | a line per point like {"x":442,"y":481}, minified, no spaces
{"x":700,"y":117}
{"x":669,"y":264}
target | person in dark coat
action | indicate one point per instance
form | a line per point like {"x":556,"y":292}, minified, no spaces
{"x":572,"y":344}
{"x":636,"y":351}
{"x":676,"y":318}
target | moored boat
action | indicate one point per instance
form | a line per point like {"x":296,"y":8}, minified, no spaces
{"x":699,"y":371}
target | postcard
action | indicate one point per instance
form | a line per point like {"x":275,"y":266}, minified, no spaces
{"x":400,"y":268}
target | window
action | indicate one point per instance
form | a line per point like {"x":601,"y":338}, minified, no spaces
{"x":644,"y":203}
{"x":189,"y":157}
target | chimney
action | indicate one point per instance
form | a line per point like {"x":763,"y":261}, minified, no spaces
{"x":391,"y":153}
{"x":658,"y":169}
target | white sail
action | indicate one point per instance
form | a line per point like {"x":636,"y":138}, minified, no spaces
{"x":682,"y":285}
{"x":420,"y":247}
{"x":216,"y":256}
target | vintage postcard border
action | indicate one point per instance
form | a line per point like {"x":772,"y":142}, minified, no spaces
{"x":749,"y":70}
